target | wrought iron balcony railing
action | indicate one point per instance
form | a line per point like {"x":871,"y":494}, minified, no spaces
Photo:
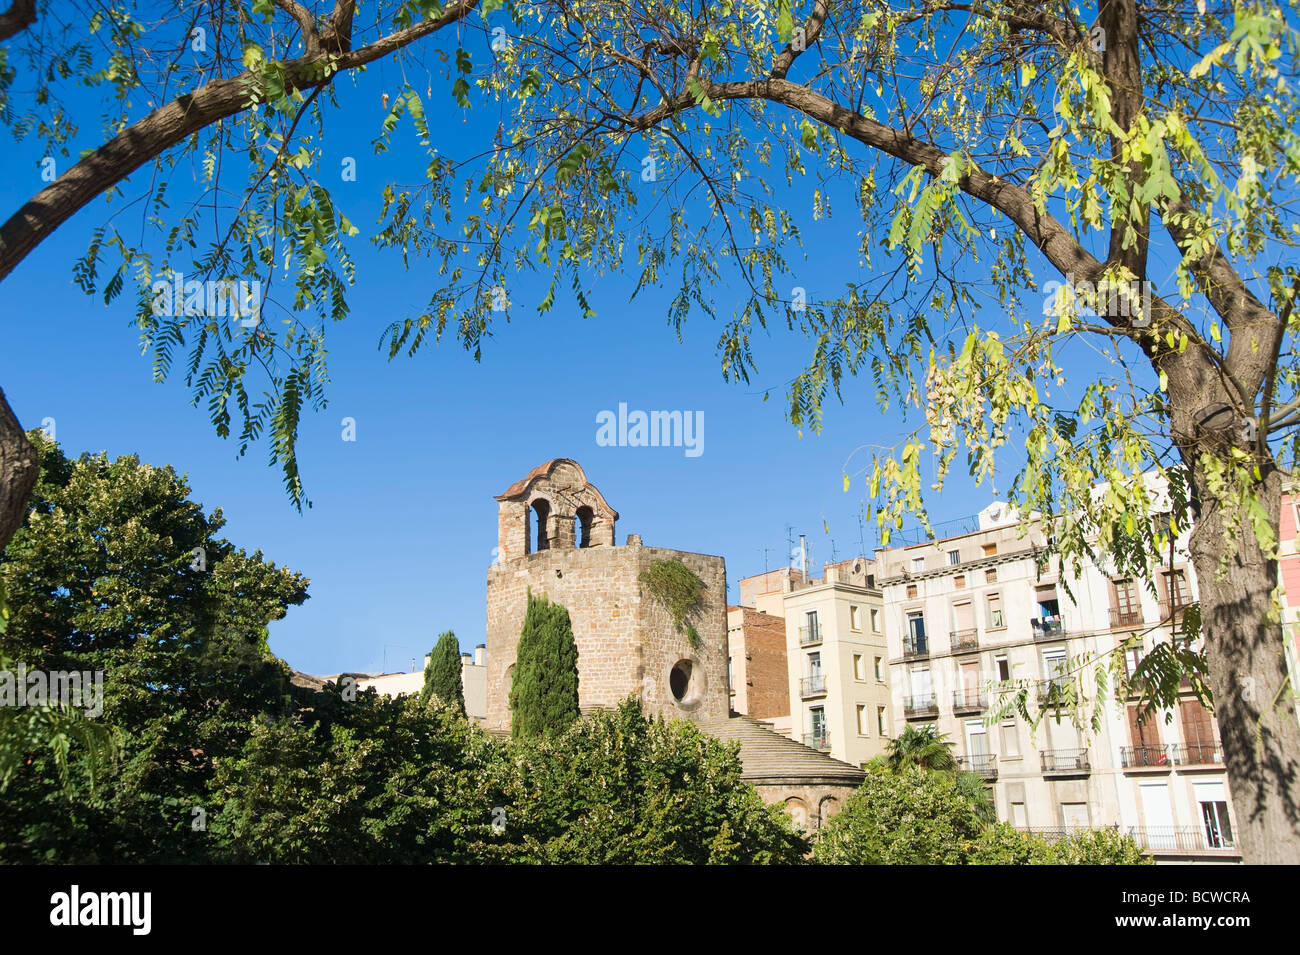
{"x":818,"y":741}
{"x":1181,"y":839}
{"x":1198,"y":754}
{"x":914,"y":646}
{"x":963,"y":641}
{"x":968,"y":701}
{"x":920,"y":707}
{"x":1146,"y":756}
{"x":1125,"y":618}
{"x":984,"y":764}
{"x":1048,"y":628}
{"x":811,"y":686}
{"x":1065,"y":762}
{"x":808,"y":636}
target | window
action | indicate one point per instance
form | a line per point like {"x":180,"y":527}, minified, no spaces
{"x":1127,"y":610}
{"x":731,"y":674}
{"x":995,"y":612}
{"x":954,"y":558}
{"x":1176,"y":587}
{"x":915,"y":641}
{"x":1048,"y":605}
{"x":991,"y":575}
{"x":814,"y":665}
{"x":880,"y":671}
{"x":864,"y":720}
{"x":875,"y":620}
{"x":882,"y":727}
{"x":1132,"y":657}
{"x":817,"y":722}
{"x":990,"y":549}
{"x":855,"y":621}
{"x":918,"y":565}
{"x":1218,"y":828}
{"x":1018,"y":817}
{"x":1010,"y":740}
{"x":1054,"y":666}
{"x":911,"y":590}
{"x":959,"y":582}
{"x":1004,"y":668}
{"x":859,"y":668}
{"x":1074,"y":815}
{"x":1216,"y":824}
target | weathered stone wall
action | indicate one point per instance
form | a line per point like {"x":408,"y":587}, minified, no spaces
{"x":627,"y":643}
{"x":812,"y":806}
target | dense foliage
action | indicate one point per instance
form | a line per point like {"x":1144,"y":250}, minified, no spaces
{"x":116,"y":570}
{"x":544,"y":692}
{"x":679,"y":589}
{"x":442,"y":675}
{"x":620,"y":788}
{"x":916,"y":817}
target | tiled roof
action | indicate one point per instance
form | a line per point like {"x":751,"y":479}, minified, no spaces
{"x":769,"y":757}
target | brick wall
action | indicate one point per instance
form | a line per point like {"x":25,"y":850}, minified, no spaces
{"x":757,"y":647}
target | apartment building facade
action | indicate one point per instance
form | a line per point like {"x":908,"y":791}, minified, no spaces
{"x":969,"y":618}
{"x":838,"y":662}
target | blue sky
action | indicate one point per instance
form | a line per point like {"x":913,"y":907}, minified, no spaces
{"x":400,"y":535}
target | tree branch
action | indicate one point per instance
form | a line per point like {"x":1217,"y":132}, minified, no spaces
{"x":153,"y":134}
{"x":20,"y":15}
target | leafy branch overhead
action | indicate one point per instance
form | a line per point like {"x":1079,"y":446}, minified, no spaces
{"x":679,"y":589}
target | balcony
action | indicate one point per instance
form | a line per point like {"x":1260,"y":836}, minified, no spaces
{"x":820,"y":741}
{"x":811,"y":686}
{"x":969,"y":701}
{"x":1053,"y":691}
{"x":1161,"y":839}
{"x":1145,"y":757}
{"x":920,"y":707}
{"x":810,"y":636}
{"x":915,"y":647}
{"x":1125,"y":618}
{"x":984,"y":765}
{"x":964,"y":641}
{"x":1066,"y":762}
{"x":1047,"y":628}
{"x":1171,"y":611}
{"x":1193,"y":755}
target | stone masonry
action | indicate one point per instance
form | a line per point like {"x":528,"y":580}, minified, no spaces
{"x":556,"y":537}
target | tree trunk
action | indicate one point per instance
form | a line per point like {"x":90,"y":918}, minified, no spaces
{"x":18,"y":470}
{"x":1249,"y":678}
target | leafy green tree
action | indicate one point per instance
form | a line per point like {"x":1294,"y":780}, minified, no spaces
{"x":923,"y":818}
{"x":177,"y":86}
{"x":116,"y":570}
{"x":913,"y":817}
{"x":928,"y":749}
{"x":442,"y":675}
{"x":1075,"y":260}
{"x":618,"y":788}
{"x":544,"y":694}
{"x":925,"y":748}
{"x":364,"y":781}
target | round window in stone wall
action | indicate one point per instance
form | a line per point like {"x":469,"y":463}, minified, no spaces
{"x":679,"y":679}
{"x":686,"y":683}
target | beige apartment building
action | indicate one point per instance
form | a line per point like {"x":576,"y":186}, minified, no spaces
{"x":975,"y":613}
{"x":837,"y":659}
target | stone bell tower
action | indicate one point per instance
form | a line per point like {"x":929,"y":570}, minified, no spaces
{"x":555,"y":536}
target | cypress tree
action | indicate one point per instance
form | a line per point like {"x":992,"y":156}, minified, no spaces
{"x":442,"y":675}
{"x":544,"y":694}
